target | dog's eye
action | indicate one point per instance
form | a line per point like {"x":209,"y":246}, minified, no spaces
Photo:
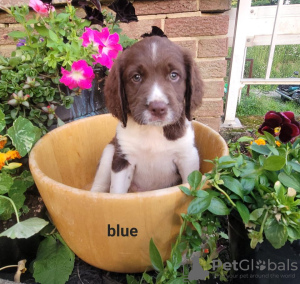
{"x":174,"y":76}
{"x":136,"y":78}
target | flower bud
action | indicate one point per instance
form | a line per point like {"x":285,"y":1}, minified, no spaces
{"x":291,"y":192}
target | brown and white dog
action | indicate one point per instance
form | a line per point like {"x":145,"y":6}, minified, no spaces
{"x":152,"y":88}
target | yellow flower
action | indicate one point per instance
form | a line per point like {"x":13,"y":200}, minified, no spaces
{"x":277,"y":130}
{"x":278,"y":143}
{"x":3,"y":141}
{"x":2,"y":160}
{"x":260,"y":141}
{"x":13,"y":154}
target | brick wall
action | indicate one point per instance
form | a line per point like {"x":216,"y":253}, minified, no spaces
{"x":198,"y":25}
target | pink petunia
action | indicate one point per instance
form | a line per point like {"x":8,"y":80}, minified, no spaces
{"x":40,"y":7}
{"x":81,"y":75}
{"x":107,"y":44}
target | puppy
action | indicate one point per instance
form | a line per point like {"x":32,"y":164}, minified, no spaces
{"x":152,"y":88}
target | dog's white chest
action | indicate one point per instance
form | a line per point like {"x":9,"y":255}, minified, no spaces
{"x":153,"y":156}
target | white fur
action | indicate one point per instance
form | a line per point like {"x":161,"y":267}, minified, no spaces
{"x":154,"y":160}
{"x":154,"y":50}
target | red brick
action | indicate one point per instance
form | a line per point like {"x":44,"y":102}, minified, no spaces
{"x":213,"y":47}
{"x":135,"y":29}
{"x":188,"y":44}
{"x":213,"y":108}
{"x":212,"y":68}
{"x":214,"y":5}
{"x":203,"y":25}
{"x":213,"y":89}
{"x":4,"y":38}
{"x":6,"y":50}
{"x":164,"y":7}
{"x":212,"y":122}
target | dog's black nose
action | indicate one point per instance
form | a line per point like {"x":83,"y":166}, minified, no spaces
{"x":158,"y":108}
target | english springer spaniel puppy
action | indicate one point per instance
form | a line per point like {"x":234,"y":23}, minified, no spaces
{"x":152,"y":89}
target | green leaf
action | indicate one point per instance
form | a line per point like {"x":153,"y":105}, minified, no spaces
{"x":247,"y":184}
{"x":199,"y":205}
{"x":261,"y":149}
{"x":155,"y":257}
{"x":6,"y":181}
{"x":185,"y":190}
{"x":256,"y":214}
{"x":270,"y":138}
{"x":295,"y":166}
{"x":195,"y":179}
{"x":54,"y":262}
{"x":289,"y":180}
{"x":245,"y":139}
{"x":23,"y":135}
{"x":197,"y":227}
{"x":53,"y":35}
{"x":25,"y":229}
{"x":243,"y":210}
{"x":131,"y":280}
{"x":146,"y":277}
{"x":218,"y":207}
{"x":176,"y":258}
{"x":234,"y":185}
{"x":42,"y":30}
{"x":17,"y":34}
{"x":226,"y":162}
{"x":274,"y":163}
{"x":275,"y":232}
{"x":2,"y":120}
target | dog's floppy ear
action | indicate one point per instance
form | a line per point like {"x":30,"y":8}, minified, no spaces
{"x":194,"y":85}
{"x":115,"y":96}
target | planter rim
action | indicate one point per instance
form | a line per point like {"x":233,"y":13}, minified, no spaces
{"x":106,"y":195}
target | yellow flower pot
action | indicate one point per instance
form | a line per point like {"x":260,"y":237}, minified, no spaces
{"x":109,"y":231}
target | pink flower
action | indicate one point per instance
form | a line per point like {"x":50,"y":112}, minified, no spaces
{"x":40,"y":7}
{"x":81,"y":75}
{"x":107,"y":44}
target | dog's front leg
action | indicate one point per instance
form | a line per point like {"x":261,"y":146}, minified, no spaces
{"x":187,"y":162}
{"x":121,"y":180}
{"x":103,"y":174}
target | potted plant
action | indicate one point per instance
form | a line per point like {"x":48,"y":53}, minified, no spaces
{"x":58,"y":55}
{"x":59,"y":59}
{"x":257,"y":186}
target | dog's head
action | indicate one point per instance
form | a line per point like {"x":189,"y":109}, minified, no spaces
{"x":155,"y":81}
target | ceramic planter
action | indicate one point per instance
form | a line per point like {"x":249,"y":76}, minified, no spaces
{"x":63,"y":164}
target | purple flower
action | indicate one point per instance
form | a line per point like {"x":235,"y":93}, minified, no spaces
{"x":282,"y":123}
{"x":21,"y":42}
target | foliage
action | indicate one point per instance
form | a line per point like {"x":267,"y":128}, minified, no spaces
{"x":257,"y":104}
{"x":54,"y":262}
{"x":47,"y":45}
{"x":14,"y":180}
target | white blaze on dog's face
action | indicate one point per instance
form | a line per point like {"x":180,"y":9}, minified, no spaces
{"x":154,"y":78}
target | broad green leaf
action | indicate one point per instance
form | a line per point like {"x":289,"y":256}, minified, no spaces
{"x":155,"y":257}
{"x":256,"y":214}
{"x":202,"y":193}
{"x":14,"y":61}
{"x":54,"y":262}
{"x":275,"y":232}
{"x":6,"y":209}
{"x":17,"y":34}
{"x":199,"y":205}
{"x":247,"y":184}
{"x":179,"y":280}
{"x":270,"y":138}
{"x":261,"y":149}
{"x":243,"y":210}
{"x":23,"y":135}
{"x":295,"y":166}
{"x":147,"y":278}
{"x":226,"y":162}
{"x":176,"y":258}
{"x":218,"y":207}
{"x":274,"y":163}
{"x":197,"y":227}
{"x":195,"y":179}
{"x":53,"y":35}
{"x":6,"y":181}
{"x":245,"y":139}
{"x":185,"y":190}
{"x":293,"y":233}
{"x":25,"y":229}
{"x":2,"y":120}
{"x":290,"y":180}
{"x":42,"y":30}
{"x":234,"y":185}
